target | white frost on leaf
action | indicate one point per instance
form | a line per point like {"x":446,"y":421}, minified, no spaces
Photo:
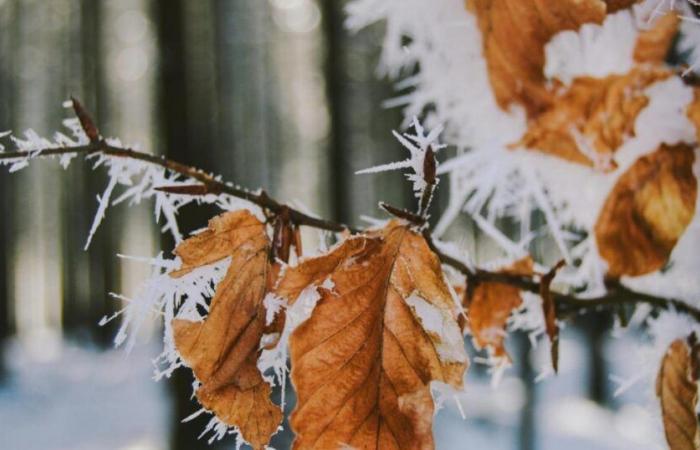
{"x":417,"y":144}
{"x":529,"y":317}
{"x":218,"y":430}
{"x":273,"y":362}
{"x":164,"y":297}
{"x":440,"y":324}
{"x":595,"y":50}
{"x":273,"y":306}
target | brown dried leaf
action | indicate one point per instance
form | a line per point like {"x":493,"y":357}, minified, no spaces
{"x":589,"y":121}
{"x":362,"y":363}
{"x":654,"y":44}
{"x":514,"y":33}
{"x":490,"y":306}
{"x":678,"y":395}
{"x":693,"y":112}
{"x":223,"y":349}
{"x":647,"y":211}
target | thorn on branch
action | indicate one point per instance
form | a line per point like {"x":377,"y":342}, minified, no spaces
{"x":190,"y":189}
{"x":403,"y":214}
{"x":86,"y":121}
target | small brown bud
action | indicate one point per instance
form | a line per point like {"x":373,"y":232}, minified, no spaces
{"x":283,"y":235}
{"x":429,"y":166}
{"x":86,"y":121}
{"x":188,"y":189}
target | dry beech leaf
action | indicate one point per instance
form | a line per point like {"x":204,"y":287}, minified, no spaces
{"x":677,"y":390}
{"x":589,"y":121}
{"x":223,"y":349}
{"x":490,"y":306}
{"x":693,"y":112}
{"x":654,"y":44}
{"x":363,"y":361}
{"x":647,"y":211}
{"x":514,"y":33}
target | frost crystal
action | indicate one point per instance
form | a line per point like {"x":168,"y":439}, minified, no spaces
{"x":434,"y":320}
{"x":417,"y":144}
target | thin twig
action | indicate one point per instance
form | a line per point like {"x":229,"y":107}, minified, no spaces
{"x":403,"y":214}
{"x":259,"y":198}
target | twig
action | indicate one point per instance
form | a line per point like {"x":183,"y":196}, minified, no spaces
{"x":209,"y":182}
{"x":566,"y":304}
{"x":403,"y":214}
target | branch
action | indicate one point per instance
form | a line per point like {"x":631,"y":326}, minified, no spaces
{"x":617,"y":295}
{"x":210,"y":184}
{"x":566,"y":304}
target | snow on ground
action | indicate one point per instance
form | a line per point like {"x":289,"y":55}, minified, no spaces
{"x":62,"y":397}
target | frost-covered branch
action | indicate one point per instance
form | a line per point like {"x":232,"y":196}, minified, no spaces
{"x":92,"y":144}
{"x":209,"y":183}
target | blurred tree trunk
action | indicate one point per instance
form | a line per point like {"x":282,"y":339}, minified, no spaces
{"x":76,"y":270}
{"x":595,"y":326}
{"x":527,"y":437}
{"x":248,"y":139}
{"x":335,"y":82}
{"x":101,"y":257}
{"x":187,"y":128}
{"x":37,"y":254}
{"x":88,"y":276}
{"x":529,"y":427}
{"x":6,"y":94}
{"x":360,"y":127}
{"x":173,"y":114}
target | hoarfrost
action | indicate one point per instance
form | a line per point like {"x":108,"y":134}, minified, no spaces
{"x":450,"y":346}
